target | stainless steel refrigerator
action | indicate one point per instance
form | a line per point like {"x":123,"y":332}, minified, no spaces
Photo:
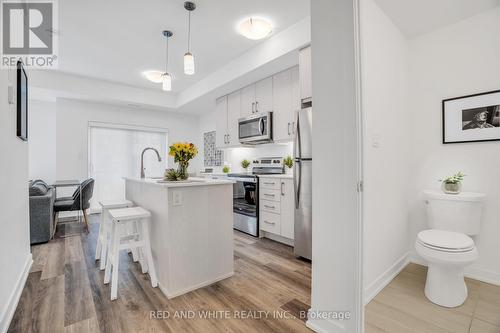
{"x":302,"y":178}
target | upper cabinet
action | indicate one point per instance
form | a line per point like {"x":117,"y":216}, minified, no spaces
{"x":284,"y":104}
{"x":221,"y":121}
{"x":279,"y":94}
{"x":257,"y":97}
{"x":305,"y":74}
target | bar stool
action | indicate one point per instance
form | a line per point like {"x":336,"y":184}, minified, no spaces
{"x":121,"y":239}
{"x":101,"y":249}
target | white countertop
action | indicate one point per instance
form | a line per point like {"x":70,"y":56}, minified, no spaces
{"x":282,"y":176}
{"x":192,"y":181}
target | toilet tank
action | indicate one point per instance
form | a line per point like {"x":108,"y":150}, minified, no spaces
{"x":454,"y":212}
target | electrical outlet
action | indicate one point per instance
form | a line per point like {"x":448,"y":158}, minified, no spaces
{"x":177,"y":198}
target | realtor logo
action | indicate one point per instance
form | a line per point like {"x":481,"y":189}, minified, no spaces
{"x":29,"y":33}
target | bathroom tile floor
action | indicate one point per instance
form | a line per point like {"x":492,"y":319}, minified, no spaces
{"x":402,"y":307}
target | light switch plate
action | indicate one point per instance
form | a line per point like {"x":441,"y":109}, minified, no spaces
{"x":177,"y":198}
{"x":10,"y":94}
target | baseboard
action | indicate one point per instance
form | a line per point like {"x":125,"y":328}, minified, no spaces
{"x":324,"y":326}
{"x":383,"y":280}
{"x":200,"y":285}
{"x":15,"y":296}
{"x":470,"y":272}
{"x":277,"y":238}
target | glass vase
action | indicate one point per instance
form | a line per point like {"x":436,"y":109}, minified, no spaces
{"x":183,"y":170}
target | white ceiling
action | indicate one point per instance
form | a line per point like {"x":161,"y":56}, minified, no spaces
{"x":115,"y":40}
{"x":416,"y":17}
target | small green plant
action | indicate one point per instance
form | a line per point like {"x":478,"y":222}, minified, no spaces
{"x":225,"y":169}
{"x":172,"y":175}
{"x":245,"y":164}
{"x":455,"y":179}
{"x":288,"y":161}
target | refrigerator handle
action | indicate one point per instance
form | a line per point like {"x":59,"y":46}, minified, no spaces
{"x":296,"y":182}
{"x":297,"y":137}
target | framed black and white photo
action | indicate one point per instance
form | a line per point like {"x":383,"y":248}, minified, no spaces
{"x":473,"y":118}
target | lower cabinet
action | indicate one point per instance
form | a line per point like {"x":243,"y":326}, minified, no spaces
{"x":276,"y":207}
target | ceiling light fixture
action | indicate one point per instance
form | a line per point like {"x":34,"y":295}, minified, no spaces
{"x":255,"y":28}
{"x":167,"y":77}
{"x":153,"y":76}
{"x":188,"y":56}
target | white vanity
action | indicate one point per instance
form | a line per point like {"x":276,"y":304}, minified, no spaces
{"x":191,"y":230}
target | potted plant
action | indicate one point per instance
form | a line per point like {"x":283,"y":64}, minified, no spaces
{"x":452,"y":184}
{"x":288,"y":162}
{"x":245,"y":164}
{"x":182,"y":153}
{"x":225,"y":169}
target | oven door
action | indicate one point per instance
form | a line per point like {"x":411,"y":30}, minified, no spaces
{"x":245,"y":210}
{"x":255,"y":129}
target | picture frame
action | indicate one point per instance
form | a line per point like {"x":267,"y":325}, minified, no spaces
{"x":471,"y":118}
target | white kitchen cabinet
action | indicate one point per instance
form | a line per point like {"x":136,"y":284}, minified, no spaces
{"x":282,"y":100}
{"x":221,"y":122}
{"x":277,"y":207}
{"x":296,"y":105}
{"x":257,"y":97}
{"x":287,"y":209}
{"x":264,"y":95}
{"x":233,"y":114}
{"x":305,"y":73}
{"x":247,"y":101}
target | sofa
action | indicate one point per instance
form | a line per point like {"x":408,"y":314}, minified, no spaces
{"x":41,"y":198}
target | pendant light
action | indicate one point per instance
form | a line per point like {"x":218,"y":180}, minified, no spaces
{"x":167,"y":77}
{"x":188,"y":56}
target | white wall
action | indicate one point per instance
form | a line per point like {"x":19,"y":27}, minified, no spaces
{"x":387,"y":142}
{"x":336,"y":265}
{"x":15,"y":256}
{"x":458,"y":60}
{"x":72,"y":131}
{"x":42,"y":143}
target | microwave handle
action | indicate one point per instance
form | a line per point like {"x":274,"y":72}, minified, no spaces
{"x":261,"y":126}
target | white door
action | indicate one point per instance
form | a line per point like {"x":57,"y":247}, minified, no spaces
{"x":221,"y":122}
{"x":287,"y":208}
{"x":264,"y":95}
{"x":282,"y":100}
{"x":247,"y":101}
{"x":233,"y":114}
{"x":115,"y":153}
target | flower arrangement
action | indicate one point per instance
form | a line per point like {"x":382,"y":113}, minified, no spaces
{"x":453,"y":184}
{"x":245,"y":164}
{"x":182,"y":153}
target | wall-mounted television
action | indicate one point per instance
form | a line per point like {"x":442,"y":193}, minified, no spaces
{"x":22,"y":102}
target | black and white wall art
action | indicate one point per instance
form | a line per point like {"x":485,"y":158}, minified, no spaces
{"x":212,"y":155}
{"x":472,"y":118}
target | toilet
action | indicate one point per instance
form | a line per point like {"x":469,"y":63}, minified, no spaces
{"x":447,"y":246}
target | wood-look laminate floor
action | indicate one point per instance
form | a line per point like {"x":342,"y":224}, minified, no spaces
{"x":402,"y":307}
{"x":65,"y":292}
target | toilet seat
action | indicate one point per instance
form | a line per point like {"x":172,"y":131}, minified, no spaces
{"x":445,"y":241}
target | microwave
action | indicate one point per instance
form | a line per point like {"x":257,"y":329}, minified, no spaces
{"x":256,"y":129}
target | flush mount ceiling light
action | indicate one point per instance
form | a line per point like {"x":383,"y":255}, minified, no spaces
{"x":167,"y":77}
{"x":188,"y":56}
{"x":255,"y":28}
{"x":153,"y":76}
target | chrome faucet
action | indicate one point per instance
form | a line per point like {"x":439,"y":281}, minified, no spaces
{"x":142,"y":160}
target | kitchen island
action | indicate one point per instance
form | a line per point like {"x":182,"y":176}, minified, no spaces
{"x":191,"y":230}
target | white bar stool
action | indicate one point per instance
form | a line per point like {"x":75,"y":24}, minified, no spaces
{"x":121,"y":238}
{"x":101,"y":249}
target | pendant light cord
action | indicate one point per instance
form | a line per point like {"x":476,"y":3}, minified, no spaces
{"x":189,"y":30}
{"x":166,"y":63}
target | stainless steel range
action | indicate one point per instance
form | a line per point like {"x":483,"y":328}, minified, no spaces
{"x":246,"y":193}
